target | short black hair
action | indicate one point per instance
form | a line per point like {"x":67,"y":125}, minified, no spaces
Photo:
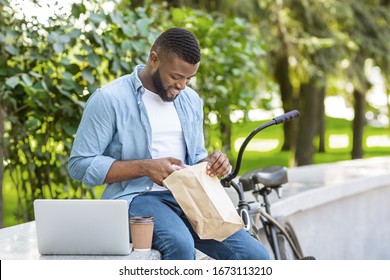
{"x":180,"y":42}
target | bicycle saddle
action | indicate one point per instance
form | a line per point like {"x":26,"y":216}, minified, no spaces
{"x":270,"y":176}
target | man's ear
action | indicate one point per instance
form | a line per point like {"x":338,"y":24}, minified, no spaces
{"x":153,"y":58}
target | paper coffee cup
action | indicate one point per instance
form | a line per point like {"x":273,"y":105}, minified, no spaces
{"x":141,"y":232}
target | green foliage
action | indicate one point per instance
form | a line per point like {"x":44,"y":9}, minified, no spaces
{"x":48,"y":70}
{"x":232,"y":67}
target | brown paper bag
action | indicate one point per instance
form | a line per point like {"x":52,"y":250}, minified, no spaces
{"x":205,"y":202}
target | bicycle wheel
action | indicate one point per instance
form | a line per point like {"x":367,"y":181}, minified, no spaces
{"x":285,"y":249}
{"x":288,"y":247}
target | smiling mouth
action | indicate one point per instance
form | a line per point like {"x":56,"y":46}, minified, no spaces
{"x":174,"y":91}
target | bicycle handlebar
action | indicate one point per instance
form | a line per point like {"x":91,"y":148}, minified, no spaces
{"x":287,"y":117}
{"x":225,"y":181}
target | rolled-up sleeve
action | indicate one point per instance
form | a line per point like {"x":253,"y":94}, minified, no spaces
{"x":87,"y":161}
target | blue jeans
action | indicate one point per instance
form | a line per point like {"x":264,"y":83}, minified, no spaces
{"x":174,"y":237}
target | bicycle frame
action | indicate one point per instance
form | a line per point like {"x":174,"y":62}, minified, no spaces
{"x":269,"y":223}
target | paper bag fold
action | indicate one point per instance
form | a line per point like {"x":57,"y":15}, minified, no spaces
{"x":204,"y":201}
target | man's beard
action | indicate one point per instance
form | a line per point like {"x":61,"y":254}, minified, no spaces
{"x":158,"y":85}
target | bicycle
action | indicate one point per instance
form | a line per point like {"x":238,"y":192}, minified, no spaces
{"x":280,"y":235}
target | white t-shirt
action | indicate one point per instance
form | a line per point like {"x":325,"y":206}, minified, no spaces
{"x":167,"y":133}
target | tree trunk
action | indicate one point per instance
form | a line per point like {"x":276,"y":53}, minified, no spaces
{"x":226,"y":131}
{"x":358,"y":125}
{"x":310,"y":97}
{"x":282,"y":77}
{"x":387,"y":83}
{"x":322,"y":123}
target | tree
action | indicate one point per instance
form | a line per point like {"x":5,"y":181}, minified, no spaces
{"x":230,"y":71}
{"x":50,"y":70}
{"x":47,"y":75}
{"x":303,"y":51}
{"x":371,"y":35}
{"x":306,"y":41}
{"x":292,"y":31}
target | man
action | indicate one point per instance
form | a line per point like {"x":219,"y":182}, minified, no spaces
{"x":137,"y":130}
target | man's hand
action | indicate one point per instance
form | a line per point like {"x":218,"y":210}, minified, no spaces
{"x":156,"y":169}
{"x":159,"y":169}
{"x":218,"y":164}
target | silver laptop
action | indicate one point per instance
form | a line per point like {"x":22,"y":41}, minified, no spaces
{"x":82,"y":227}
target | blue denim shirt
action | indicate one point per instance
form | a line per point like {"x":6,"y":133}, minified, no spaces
{"x":115,"y":126}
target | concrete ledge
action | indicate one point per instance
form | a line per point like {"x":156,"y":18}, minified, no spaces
{"x":20,"y":243}
{"x":339,"y":211}
{"x":315,"y":185}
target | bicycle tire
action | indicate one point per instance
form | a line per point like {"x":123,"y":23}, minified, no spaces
{"x":280,"y":227}
{"x":285,"y":249}
{"x":288,"y":244}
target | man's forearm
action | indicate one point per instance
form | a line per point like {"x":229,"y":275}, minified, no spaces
{"x":122,"y":170}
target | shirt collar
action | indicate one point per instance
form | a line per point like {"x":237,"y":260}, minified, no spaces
{"x":137,"y":81}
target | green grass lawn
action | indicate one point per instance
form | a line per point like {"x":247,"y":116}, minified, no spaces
{"x":337,"y":129}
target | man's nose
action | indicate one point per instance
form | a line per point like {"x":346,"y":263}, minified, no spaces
{"x":181,"y":84}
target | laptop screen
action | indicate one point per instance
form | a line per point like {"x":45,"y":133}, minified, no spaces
{"x":82,"y":226}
